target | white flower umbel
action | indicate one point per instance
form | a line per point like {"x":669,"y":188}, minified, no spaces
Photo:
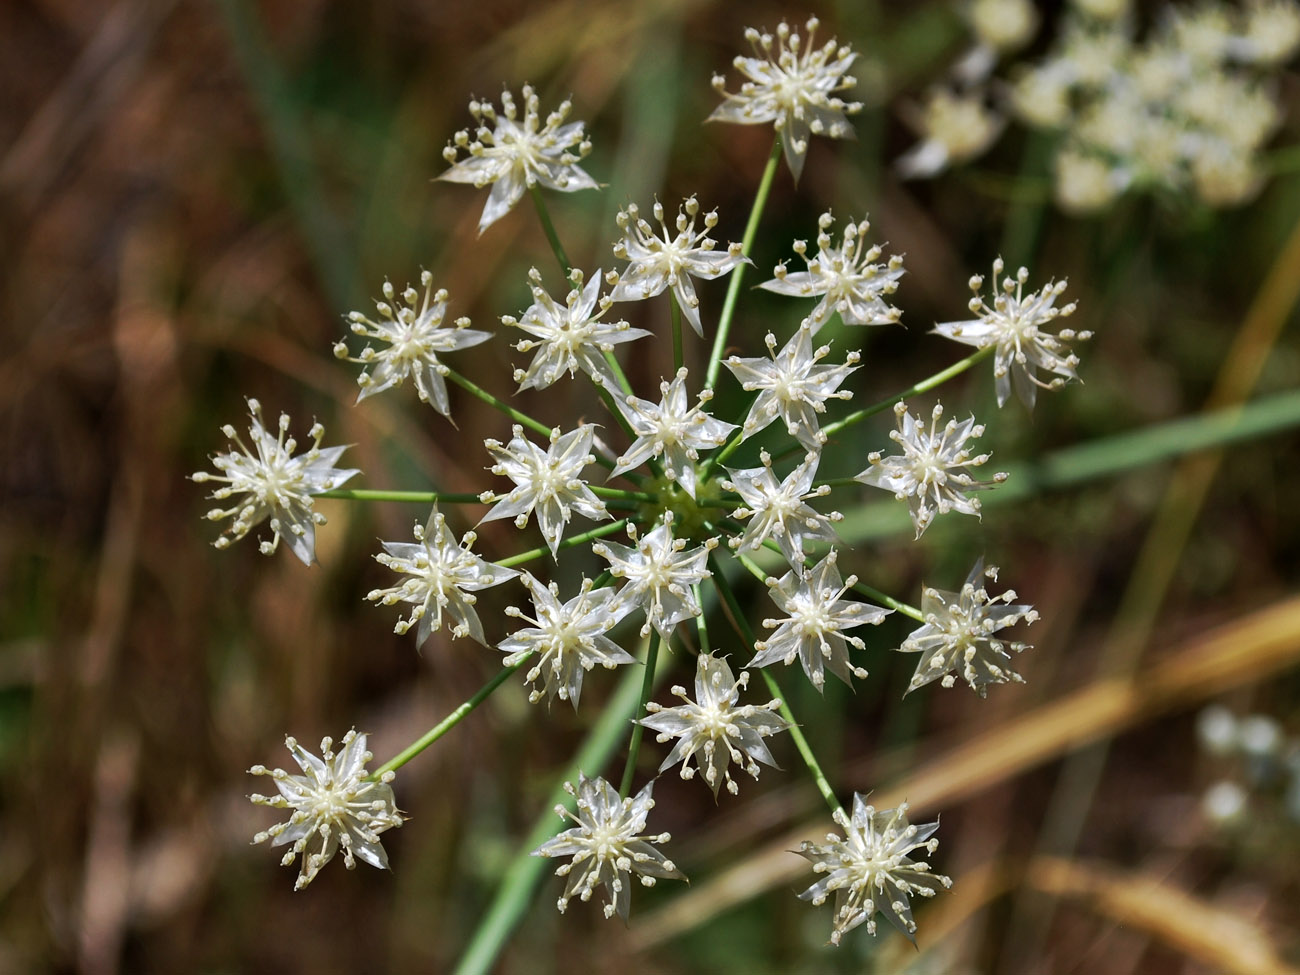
{"x":547,"y":482}
{"x":671,"y":430}
{"x":792,"y":386}
{"x":870,"y":869}
{"x":414,"y":338}
{"x":932,"y":473}
{"x":958,"y":635}
{"x":441,"y":576}
{"x":335,"y":805}
{"x":846,"y":275}
{"x":657,"y":263}
{"x":712,"y":729}
{"x":777,"y":509}
{"x":607,"y":846}
{"x":514,"y":154}
{"x":276,"y":487}
{"x":792,"y":84}
{"x":814,"y":629}
{"x":568,"y":638}
{"x":569,"y":336}
{"x":1014,"y":326}
{"x":658,"y":574}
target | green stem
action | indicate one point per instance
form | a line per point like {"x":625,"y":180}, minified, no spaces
{"x":608,"y":492}
{"x":548,"y":228}
{"x":515,"y":893}
{"x":747,"y":244}
{"x":449,"y":722}
{"x":420,"y":497}
{"x":700,"y":625}
{"x":647,"y":685}
{"x":837,"y":482}
{"x":537,"y":426}
{"x":678,"y":355}
{"x":800,"y":742}
{"x":587,"y":536}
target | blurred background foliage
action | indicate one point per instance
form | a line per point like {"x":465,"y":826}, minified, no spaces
{"x":193,"y":193}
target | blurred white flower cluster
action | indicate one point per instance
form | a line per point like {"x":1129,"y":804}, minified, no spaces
{"x":1183,"y":106}
{"x":677,"y":482}
{"x":1257,"y":764}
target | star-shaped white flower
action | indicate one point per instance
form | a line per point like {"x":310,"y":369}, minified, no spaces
{"x":335,"y":804}
{"x":657,"y":263}
{"x":569,"y":336}
{"x":777,"y":509}
{"x":847,"y":277}
{"x":712,"y":729}
{"x":277,"y":486}
{"x":514,"y":154}
{"x":792,"y":386}
{"x":440,"y":577}
{"x":658,"y":574}
{"x":414,"y":337}
{"x":671,"y":430}
{"x":792,"y":84}
{"x":932,"y":473}
{"x":547,"y":482}
{"x":814,"y":630}
{"x":958,"y":635}
{"x":1014,"y":326}
{"x":870,"y":869}
{"x":568,"y":637}
{"x":607,"y":846}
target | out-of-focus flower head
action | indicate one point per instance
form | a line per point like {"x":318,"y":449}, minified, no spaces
{"x":954,"y":127}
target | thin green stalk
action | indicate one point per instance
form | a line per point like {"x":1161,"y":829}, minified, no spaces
{"x":537,"y":553}
{"x":419,"y":497}
{"x":548,"y":227}
{"x":609,"y":492}
{"x":700,"y":625}
{"x":537,"y":426}
{"x":678,"y":355}
{"x":516,"y":891}
{"x":449,"y":722}
{"x":800,"y":742}
{"x":837,"y":482}
{"x":647,"y":686}
{"x":746,"y":245}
